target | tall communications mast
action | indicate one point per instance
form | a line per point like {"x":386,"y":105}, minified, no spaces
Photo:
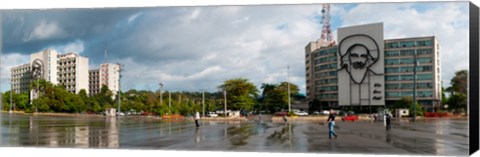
{"x":326,"y":38}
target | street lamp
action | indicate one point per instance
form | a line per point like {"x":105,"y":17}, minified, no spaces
{"x":161,"y":97}
{"x":119,"y":84}
{"x":11,"y":90}
{"x":415,"y":64}
{"x":288,"y":86}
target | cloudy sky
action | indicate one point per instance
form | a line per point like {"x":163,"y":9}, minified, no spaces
{"x":197,"y":48}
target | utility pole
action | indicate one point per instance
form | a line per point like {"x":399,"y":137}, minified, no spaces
{"x":161,"y":97}
{"x":288,"y":86}
{"x":119,"y":88}
{"x":203,"y":103}
{"x":11,"y":102}
{"x":169,"y":99}
{"x":225,"y":101}
{"x":415,"y":86}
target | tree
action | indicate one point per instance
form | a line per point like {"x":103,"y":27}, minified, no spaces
{"x":459,"y":82}
{"x":241,"y":93}
{"x":277,"y":98}
{"x":406,"y":102}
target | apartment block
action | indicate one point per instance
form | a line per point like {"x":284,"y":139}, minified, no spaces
{"x":73,"y":72}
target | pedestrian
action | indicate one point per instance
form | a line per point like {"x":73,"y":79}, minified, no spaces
{"x":197,"y":117}
{"x":285,"y":118}
{"x":388,"y":118}
{"x":331,"y":124}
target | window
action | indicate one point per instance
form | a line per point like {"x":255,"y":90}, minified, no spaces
{"x":391,"y":61}
{"x":424,"y":76}
{"x":406,"y":77}
{"x":424,"y":51}
{"x":392,"y":53}
{"x":391,"y":45}
{"x":392,"y":94}
{"x":407,"y":52}
{"x":391,"y":70}
{"x":407,"y":44}
{"x":406,"y":61}
{"x":406,"y":94}
{"x":391,"y":78}
{"x":425,"y":43}
{"x":424,"y":68}
{"x":407,"y":86}
{"x":406,"y":69}
{"x":425,"y":59}
{"x":391,"y":86}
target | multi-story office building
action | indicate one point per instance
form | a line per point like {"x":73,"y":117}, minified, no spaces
{"x":47,"y":62}
{"x":20,"y":78}
{"x":108,"y":75}
{"x":70,"y":70}
{"x":363,"y":69}
{"x":73,"y":72}
{"x":399,"y":66}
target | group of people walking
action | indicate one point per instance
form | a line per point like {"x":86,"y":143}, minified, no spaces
{"x":330,"y":120}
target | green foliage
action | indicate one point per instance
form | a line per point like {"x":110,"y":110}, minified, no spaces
{"x":275,"y":96}
{"x":241,"y":93}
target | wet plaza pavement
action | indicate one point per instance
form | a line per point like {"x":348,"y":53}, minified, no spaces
{"x":424,"y":137}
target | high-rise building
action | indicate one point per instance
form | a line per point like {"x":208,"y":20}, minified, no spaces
{"x":70,"y":70}
{"x":363,"y":69}
{"x":108,"y":74}
{"x":20,"y":78}
{"x":73,"y":72}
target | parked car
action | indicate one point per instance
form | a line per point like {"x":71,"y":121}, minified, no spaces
{"x":350,"y":117}
{"x":300,"y":113}
{"x":316,"y":113}
{"x":281,"y":113}
{"x":212,"y":114}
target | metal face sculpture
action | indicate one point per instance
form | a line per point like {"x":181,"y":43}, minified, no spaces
{"x":37,"y":69}
{"x":357,"y":54}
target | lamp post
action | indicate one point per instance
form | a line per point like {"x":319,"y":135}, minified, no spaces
{"x":119,"y":87}
{"x":203,"y":103}
{"x":225,"y":102}
{"x":161,"y":97}
{"x":415,"y":64}
{"x":11,"y":90}
{"x":288,"y":86}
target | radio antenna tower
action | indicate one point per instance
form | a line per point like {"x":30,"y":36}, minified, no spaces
{"x":326,"y":38}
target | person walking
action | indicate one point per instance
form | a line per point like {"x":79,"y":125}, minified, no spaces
{"x":285,"y":118}
{"x":388,"y":119}
{"x":331,"y":124}
{"x":197,"y":117}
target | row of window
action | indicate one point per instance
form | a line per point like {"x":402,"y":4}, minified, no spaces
{"x":408,"y":77}
{"x":408,"y":86}
{"x":326,"y":66}
{"x":324,"y":74}
{"x":327,"y":96}
{"x":326,"y":52}
{"x":409,"y":44}
{"x":328,"y":88}
{"x":327,"y":81}
{"x":402,"y":94}
{"x":408,"y":60}
{"x":408,"y":69}
{"x":408,"y":52}
{"x":326,"y":59}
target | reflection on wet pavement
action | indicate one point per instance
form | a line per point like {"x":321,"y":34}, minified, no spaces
{"x":433,"y":137}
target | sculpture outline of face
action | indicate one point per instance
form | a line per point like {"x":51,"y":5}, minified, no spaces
{"x":358,"y":58}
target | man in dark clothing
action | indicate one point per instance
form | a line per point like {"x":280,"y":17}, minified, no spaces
{"x":388,"y":118}
{"x":331,"y":124}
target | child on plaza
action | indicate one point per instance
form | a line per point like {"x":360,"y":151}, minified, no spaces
{"x":197,"y":117}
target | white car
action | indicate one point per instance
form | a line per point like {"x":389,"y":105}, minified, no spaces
{"x":300,"y":113}
{"x":212,"y":114}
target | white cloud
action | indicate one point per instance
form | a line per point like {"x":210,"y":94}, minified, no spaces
{"x":77,"y":47}
{"x":45,"y":30}
{"x":133,"y":17}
